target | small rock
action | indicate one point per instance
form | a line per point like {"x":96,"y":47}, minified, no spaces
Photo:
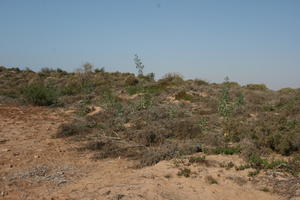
{"x":5,"y":150}
{"x":36,"y":156}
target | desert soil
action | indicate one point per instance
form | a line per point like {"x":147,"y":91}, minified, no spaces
{"x":34,"y":165}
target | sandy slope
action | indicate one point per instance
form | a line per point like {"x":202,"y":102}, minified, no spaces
{"x":35,"y":166}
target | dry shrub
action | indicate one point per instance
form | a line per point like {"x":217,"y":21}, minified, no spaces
{"x":213,"y":139}
{"x":201,"y":82}
{"x":211,"y":180}
{"x":8,"y":100}
{"x":275,"y":132}
{"x":168,"y":151}
{"x":69,"y":100}
{"x":182,"y":95}
{"x":261,"y":87}
{"x":114,"y":148}
{"x":94,"y":145}
{"x":131,"y":80}
{"x":147,"y":134}
{"x":186,"y":128}
{"x":186,"y":172}
{"x":296,"y":141}
{"x":248,"y":147}
{"x":75,"y":128}
{"x":198,"y":160}
{"x":152,"y":137}
{"x":72,"y":87}
{"x":268,"y":120}
{"x":2,"y":68}
{"x":149,"y":77}
{"x":254,"y":98}
{"x":234,"y":84}
{"x":286,"y":91}
{"x":294,"y":164}
{"x":171,"y":79}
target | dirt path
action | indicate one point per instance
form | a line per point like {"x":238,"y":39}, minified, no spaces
{"x":33,"y":165}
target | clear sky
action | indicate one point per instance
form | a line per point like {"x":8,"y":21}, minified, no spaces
{"x":251,"y":41}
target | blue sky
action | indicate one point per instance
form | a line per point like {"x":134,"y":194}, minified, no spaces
{"x":251,"y":41}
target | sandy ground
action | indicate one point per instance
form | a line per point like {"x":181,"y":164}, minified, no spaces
{"x":33,"y":165}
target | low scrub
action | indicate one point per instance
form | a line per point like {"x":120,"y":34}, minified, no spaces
{"x":141,"y":120}
{"x":291,"y":166}
{"x":182,"y":95}
{"x":226,"y":150}
{"x":38,"y":94}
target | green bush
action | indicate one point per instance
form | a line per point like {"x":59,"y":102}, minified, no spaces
{"x":40,"y":95}
{"x":225,"y":107}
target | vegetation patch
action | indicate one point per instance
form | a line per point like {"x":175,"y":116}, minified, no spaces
{"x":197,"y":159}
{"x":182,"y":95}
{"x":261,"y":87}
{"x":40,"y":95}
{"x":186,"y":172}
{"x":227,"y":150}
{"x":226,"y":118}
{"x":211,"y":180}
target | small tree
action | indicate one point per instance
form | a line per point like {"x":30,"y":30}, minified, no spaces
{"x":84,"y":75}
{"x":225,"y":108}
{"x":139,"y":65}
{"x":87,"y":67}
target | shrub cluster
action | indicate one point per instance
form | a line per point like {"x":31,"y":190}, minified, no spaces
{"x":38,"y":94}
